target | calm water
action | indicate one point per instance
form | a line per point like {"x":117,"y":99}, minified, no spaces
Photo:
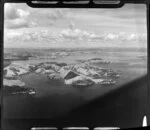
{"x":54,"y":98}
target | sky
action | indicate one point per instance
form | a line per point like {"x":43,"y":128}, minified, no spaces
{"x":36,"y":28}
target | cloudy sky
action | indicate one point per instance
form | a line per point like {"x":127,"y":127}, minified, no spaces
{"x":35,"y":27}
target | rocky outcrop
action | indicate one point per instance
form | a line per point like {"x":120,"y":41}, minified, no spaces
{"x":12,"y":83}
{"x":81,"y":74}
{"x":7,"y":90}
{"x":75,"y":79}
{"x":94,"y":60}
{"x":83,"y":83}
{"x":55,"y":76}
{"x":16,"y":87}
{"x":70,"y":74}
{"x":108,"y":82}
{"x":16,"y":69}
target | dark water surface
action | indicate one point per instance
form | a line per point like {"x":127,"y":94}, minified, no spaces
{"x":54,"y":99}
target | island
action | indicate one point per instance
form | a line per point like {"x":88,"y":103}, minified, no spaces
{"x":82,"y":74}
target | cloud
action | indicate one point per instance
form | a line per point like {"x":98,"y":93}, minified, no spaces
{"x":73,"y":33}
{"x":121,"y":36}
{"x":76,"y":34}
{"x":22,"y":13}
{"x":56,"y":14}
{"x":16,"y":18}
{"x":11,"y":35}
{"x":42,"y":36}
{"x":17,"y":23}
{"x":11,"y":12}
{"x":34,"y":36}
